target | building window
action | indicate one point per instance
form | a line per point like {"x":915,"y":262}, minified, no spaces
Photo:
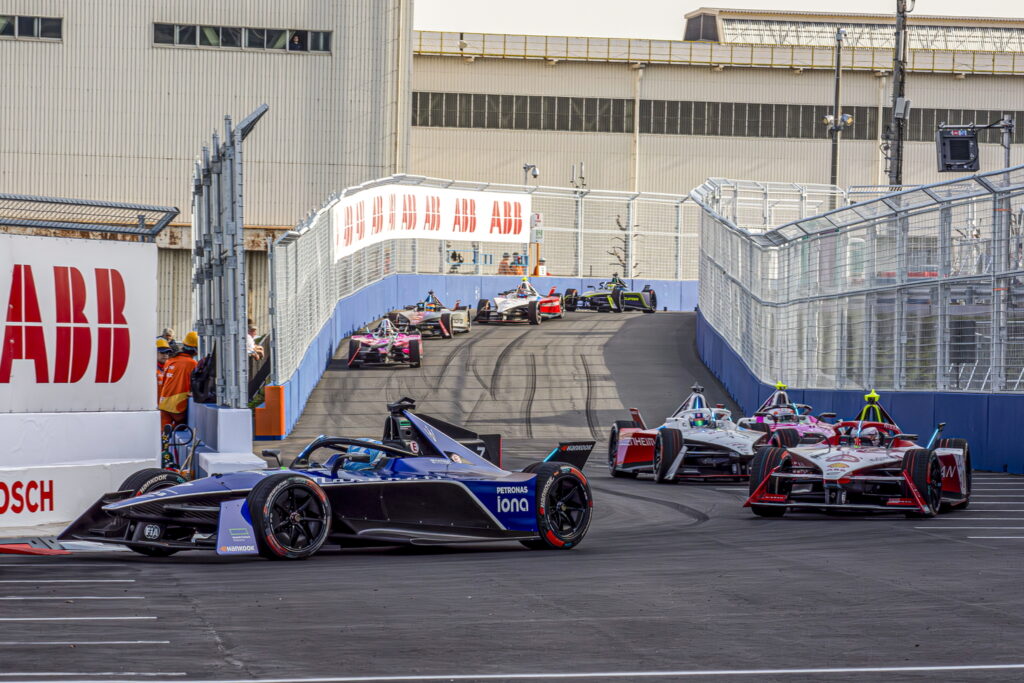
{"x":44,"y":28}
{"x":234,"y":37}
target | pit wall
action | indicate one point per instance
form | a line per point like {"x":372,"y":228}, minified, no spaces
{"x":987,"y":421}
{"x":284,"y":404}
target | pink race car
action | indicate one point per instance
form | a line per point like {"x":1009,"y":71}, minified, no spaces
{"x":790,"y":424}
{"x":385,"y":346}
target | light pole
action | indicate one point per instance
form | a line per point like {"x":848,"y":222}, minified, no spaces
{"x":528,"y":170}
{"x":893,"y":143}
{"x":837,"y":121}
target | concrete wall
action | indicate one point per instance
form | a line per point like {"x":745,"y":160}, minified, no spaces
{"x":987,"y":421}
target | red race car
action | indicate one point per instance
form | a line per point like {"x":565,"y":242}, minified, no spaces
{"x":522,"y":304}
{"x":869,"y":465}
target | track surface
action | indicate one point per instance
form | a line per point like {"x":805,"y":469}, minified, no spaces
{"x":669,"y":578}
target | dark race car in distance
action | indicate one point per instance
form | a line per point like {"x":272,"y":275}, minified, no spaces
{"x":426,"y":482}
{"x":613,"y":296}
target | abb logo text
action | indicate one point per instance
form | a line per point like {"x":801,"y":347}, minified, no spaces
{"x":507,"y":218}
{"x":26,"y":496}
{"x":78,"y":338}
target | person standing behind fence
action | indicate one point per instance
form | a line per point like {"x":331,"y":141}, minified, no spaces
{"x":177,"y":386}
{"x":163,"y":353}
{"x":503,"y":267}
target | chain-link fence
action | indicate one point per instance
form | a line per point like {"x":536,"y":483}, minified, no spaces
{"x":586,"y":233}
{"x":916,"y":290}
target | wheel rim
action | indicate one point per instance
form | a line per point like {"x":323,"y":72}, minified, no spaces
{"x":934,"y":484}
{"x":567,"y":507}
{"x":297,"y":518}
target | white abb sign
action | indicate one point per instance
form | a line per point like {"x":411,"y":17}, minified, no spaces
{"x":409,"y":212}
{"x":77,"y":328}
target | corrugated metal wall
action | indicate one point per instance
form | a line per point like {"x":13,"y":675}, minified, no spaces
{"x":112,"y":116}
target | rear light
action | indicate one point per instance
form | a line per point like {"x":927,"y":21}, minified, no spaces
{"x":901,"y":501}
{"x":773,"y":498}
{"x":845,"y":480}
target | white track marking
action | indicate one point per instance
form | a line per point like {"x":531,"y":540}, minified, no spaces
{"x":625,"y":674}
{"x":36,"y":674}
{"x":1021,"y":537}
{"x":997,"y":495}
{"x":56,"y":564}
{"x":969,"y":527}
{"x":67,"y":580}
{"x":72,"y":597}
{"x":968,"y":512}
{"x":24,"y":643}
{"x":86,"y":618}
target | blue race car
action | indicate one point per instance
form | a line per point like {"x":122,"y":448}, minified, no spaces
{"x":425,"y":482}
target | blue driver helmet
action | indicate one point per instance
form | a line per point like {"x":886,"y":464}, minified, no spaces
{"x":374,"y":454}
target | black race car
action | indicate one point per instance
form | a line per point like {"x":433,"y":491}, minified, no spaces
{"x":612,"y":296}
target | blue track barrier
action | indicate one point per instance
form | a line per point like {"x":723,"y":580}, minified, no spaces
{"x":987,"y":421}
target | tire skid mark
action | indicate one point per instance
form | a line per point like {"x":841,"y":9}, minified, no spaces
{"x":498,"y":364}
{"x":531,"y":391}
{"x":698,"y":516}
{"x":592,"y":421}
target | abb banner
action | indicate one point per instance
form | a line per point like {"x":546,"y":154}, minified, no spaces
{"x":409,"y":212}
{"x":77,"y":328}
{"x":77,"y":387}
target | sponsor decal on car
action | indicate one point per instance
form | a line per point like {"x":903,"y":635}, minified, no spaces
{"x":234,"y":529}
{"x":842,"y":457}
{"x":646,"y":441}
{"x":838,"y":466}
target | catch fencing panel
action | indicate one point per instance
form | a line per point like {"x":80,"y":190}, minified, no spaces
{"x":915,"y":290}
{"x":582,"y":233}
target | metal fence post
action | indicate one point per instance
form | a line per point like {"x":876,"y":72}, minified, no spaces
{"x":579,"y":233}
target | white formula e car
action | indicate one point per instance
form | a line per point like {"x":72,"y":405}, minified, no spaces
{"x":522,"y":304}
{"x":868,"y":465}
{"x":697,"y":441}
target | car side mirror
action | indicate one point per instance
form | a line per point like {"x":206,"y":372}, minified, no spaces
{"x":272,"y":454}
{"x":905,"y":437}
{"x":827,"y":416}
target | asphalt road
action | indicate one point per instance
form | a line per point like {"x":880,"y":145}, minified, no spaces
{"x":674,"y":578}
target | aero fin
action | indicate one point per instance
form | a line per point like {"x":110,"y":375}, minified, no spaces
{"x":573,"y":452}
{"x":637,"y":418}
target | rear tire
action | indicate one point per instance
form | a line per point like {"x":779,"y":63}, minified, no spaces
{"x":353,"y":353}
{"x":564,"y":507}
{"x":533,"y":313}
{"x":291,"y":516}
{"x":617,"y":303}
{"x":961,"y":444}
{"x":613,"y":447}
{"x":785,"y":438}
{"x":666,"y":447}
{"x":765,"y":460}
{"x":653,"y":299}
{"x":481,"y":306}
{"x":571,"y":297}
{"x":924,"y":470}
{"x":146,"y":481}
{"x":415,"y":353}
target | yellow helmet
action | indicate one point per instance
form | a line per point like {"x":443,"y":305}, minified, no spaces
{"x":161,"y":343}
{"x":191,"y":339}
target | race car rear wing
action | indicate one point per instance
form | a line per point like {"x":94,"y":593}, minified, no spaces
{"x":573,"y":452}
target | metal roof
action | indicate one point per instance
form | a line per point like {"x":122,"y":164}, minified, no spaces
{"x":106,"y":218}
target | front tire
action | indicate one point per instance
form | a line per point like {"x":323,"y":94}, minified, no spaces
{"x":617,"y":303}
{"x":291,"y":517}
{"x":653,"y":300}
{"x":533,"y":313}
{"x":482,"y":306}
{"x":786,"y":437}
{"x":446,"y":326}
{"x":961,"y":444}
{"x":571,"y":297}
{"x":415,"y":353}
{"x":766,"y":460}
{"x":564,"y":507}
{"x":613,"y":447}
{"x":146,"y":481}
{"x":666,"y":447}
{"x":353,"y":354}
{"x":924,"y":470}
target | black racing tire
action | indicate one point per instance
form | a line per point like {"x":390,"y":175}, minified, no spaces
{"x":652,"y":299}
{"x":961,"y":444}
{"x":481,"y":306}
{"x":765,"y":460}
{"x":146,"y":481}
{"x":445,"y":326}
{"x":561,"y":306}
{"x":533,"y":313}
{"x":415,"y":353}
{"x":924,"y":470}
{"x":613,"y":447}
{"x":353,"y":352}
{"x":291,"y":516}
{"x":571,"y":297}
{"x":758,"y":427}
{"x":786,"y":437}
{"x":666,"y":447}
{"x":564,"y":507}
{"x":617,"y":303}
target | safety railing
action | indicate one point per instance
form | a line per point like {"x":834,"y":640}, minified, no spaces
{"x":916,"y":290}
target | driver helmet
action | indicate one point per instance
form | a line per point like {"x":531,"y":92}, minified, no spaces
{"x":523,"y":290}
{"x":698,"y":420}
{"x":374,"y":454}
{"x":871,"y":436}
